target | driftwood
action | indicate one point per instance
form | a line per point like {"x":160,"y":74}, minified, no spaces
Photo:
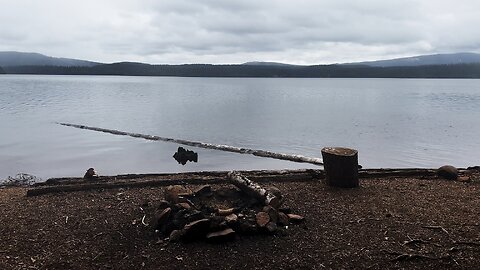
{"x":254,"y":189}
{"x":228,"y":148}
{"x":56,"y":185}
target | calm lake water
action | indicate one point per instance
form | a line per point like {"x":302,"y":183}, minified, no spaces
{"x":392,"y":122}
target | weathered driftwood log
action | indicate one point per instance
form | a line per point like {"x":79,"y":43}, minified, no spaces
{"x":254,"y":189}
{"x":228,"y":148}
{"x":341,"y":166}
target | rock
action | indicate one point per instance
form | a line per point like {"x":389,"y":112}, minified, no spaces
{"x":271,"y":227}
{"x":163,"y":205}
{"x":184,"y":206}
{"x":217,"y":223}
{"x":448,"y":172}
{"x":295,"y":218}
{"x":183,"y":155}
{"x":161,"y":218}
{"x":172,"y":193}
{"x":205,"y":190}
{"x":91,"y":174}
{"x":175,"y":235}
{"x":196,"y":229}
{"x":272,"y":213}
{"x":464,"y":179}
{"x":283,"y":219}
{"x":194,"y":215}
{"x":247,"y":227}
{"x":232,"y":218}
{"x":276,"y":192}
{"x":225,"y":212}
{"x":221,"y":236}
{"x":262,"y":219}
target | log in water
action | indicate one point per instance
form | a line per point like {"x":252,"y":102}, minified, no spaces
{"x":221,"y":147}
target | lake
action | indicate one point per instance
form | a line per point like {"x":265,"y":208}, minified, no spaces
{"x":392,"y":122}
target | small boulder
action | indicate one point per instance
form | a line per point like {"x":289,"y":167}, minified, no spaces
{"x":161,"y":218}
{"x":175,"y":235}
{"x":271,"y":227}
{"x":448,"y":172}
{"x":205,"y":190}
{"x":172,"y":193}
{"x":91,"y":174}
{"x":283,"y":219}
{"x":232,"y":218}
{"x":295,"y":218}
{"x":262,"y":219}
{"x":196,"y":229}
{"x":221,"y":236}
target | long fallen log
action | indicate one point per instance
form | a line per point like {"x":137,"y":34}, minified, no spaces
{"x":221,"y":147}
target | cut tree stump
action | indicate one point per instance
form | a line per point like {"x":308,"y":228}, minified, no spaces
{"x":341,"y":166}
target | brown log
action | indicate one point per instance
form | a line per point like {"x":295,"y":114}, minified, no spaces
{"x":341,"y":166}
{"x":253,"y":189}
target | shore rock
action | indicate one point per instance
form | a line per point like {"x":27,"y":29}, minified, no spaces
{"x":448,"y":172}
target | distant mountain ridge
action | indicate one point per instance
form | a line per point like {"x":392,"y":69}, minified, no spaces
{"x":425,"y":60}
{"x":460,"y":65}
{"x":11,"y":58}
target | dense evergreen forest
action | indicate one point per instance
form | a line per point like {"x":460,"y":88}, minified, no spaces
{"x":286,"y":71}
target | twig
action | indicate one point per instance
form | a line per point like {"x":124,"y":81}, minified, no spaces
{"x":467,"y":243}
{"x":97,"y":235}
{"x":414,"y":241}
{"x":407,"y":257}
{"x":435,"y":228}
{"x":143,"y":220}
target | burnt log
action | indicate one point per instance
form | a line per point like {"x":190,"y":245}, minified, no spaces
{"x":253,"y":189}
{"x":341,"y":166}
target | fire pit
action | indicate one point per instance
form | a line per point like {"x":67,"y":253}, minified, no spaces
{"x":218,"y":215}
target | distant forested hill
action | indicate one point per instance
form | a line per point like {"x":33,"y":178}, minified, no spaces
{"x":11,"y":58}
{"x":2,"y":71}
{"x":205,"y":70}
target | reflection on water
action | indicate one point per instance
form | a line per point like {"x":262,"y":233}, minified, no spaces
{"x":392,"y":122}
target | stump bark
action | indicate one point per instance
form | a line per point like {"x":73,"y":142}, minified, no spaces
{"x":341,"y":166}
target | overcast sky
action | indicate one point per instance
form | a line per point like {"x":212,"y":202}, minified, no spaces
{"x":228,"y":31}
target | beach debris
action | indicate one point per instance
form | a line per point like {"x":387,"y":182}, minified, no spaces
{"x":217,"y":215}
{"x":182,"y":156}
{"x":91,"y":174}
{"x":447,"y":172}
{"x":221,"y":147}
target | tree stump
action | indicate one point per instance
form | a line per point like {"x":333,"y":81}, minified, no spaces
{"x":341,"y":166}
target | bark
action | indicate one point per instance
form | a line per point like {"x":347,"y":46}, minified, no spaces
{"x":341,"y":166}
{"x":253,"y":189}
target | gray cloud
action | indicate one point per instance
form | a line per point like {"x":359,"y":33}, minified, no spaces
{"x":219,"y":31}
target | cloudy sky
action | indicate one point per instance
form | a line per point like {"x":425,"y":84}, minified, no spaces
{"x":236,"y":31}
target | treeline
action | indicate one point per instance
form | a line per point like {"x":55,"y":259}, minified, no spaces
{"x":207,"y":70}
{"x":2,"y":71}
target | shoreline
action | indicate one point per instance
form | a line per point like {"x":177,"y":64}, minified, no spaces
{"x":415,"y":221}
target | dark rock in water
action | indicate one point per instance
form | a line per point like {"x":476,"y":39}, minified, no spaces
{"x":182,"y":156}
{"x":448,"y":172}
